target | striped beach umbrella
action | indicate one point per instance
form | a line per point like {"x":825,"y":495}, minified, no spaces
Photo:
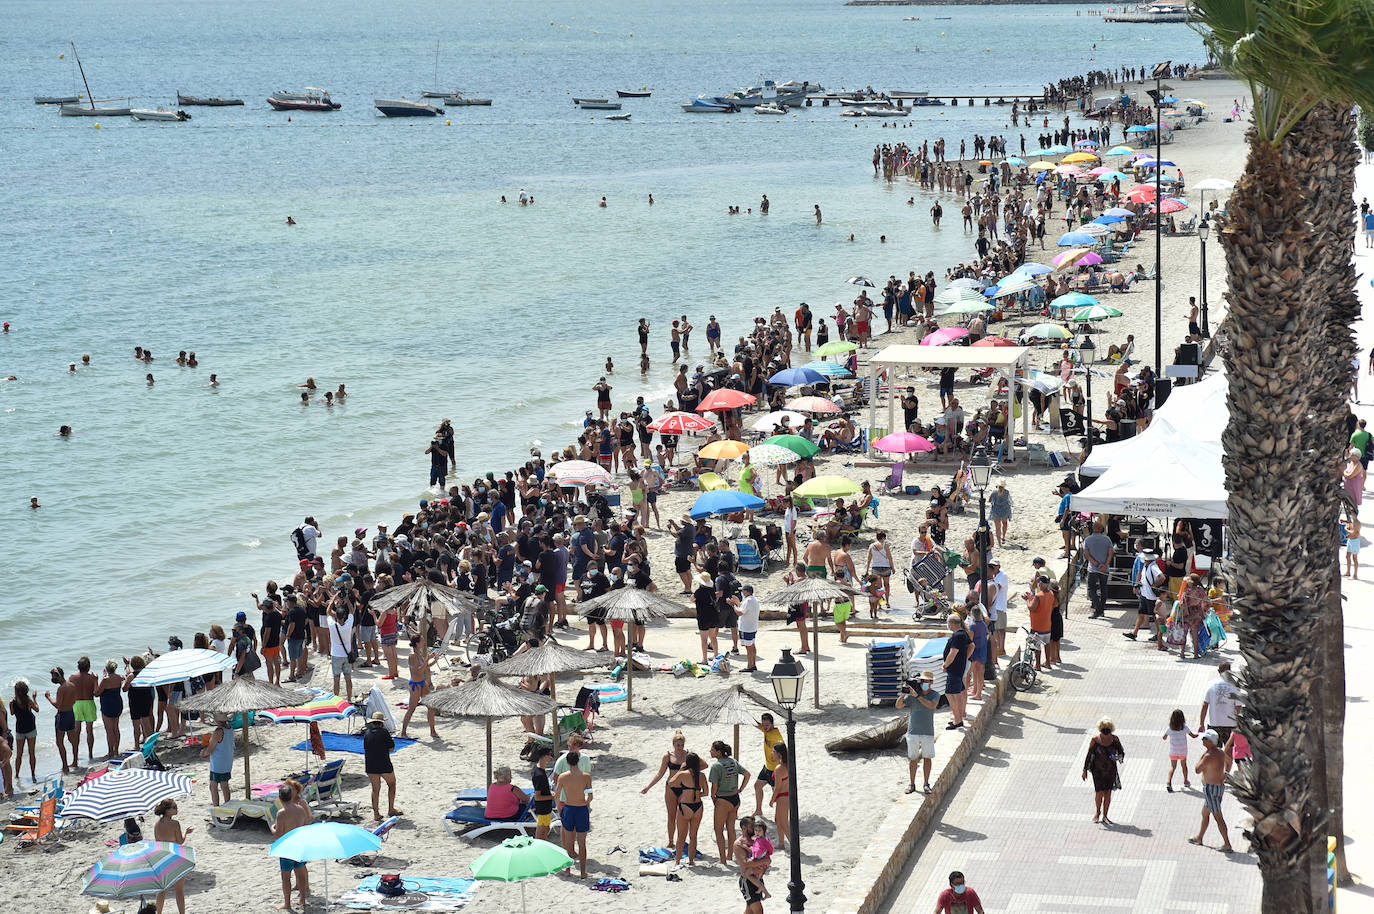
{"x":139,"y":870}
{"x":579,"y":473}
{"x":771,"y":455}
{"x":829,"y":369}
{"x":181,"y":665}
{"x":681,"y":424}
{"x":322,"y":706}
{"x":121,"y":794}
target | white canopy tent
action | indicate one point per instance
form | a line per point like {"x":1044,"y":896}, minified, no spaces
{"x":1195,"y":410}
{"x":1007,"y":361}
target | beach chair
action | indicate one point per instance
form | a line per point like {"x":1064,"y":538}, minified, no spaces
{"x":893,"y":483}
{"x":470,"y":822}
{"x":228,"y":815}
{"x":856,"y":445}
{"x":143,"y":757}
{"x":588,"y":704}
{"x":37,"y":833}
{"x":326,"y":789}
{"x":711,"y":482}
{"x":575,"y":721}
{"x":381,"y":830}
{"x":748,"y":556}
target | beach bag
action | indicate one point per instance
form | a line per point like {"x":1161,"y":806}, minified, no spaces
{"x":391,"y":886}
{"x":1204,"y":638}
{"x":1177,"y":634}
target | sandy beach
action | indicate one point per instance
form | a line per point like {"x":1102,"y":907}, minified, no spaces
{"x":841,"y":797}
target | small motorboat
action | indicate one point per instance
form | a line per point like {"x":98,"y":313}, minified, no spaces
{"x":400,"y":107}
{"x":441,"y":93}
{"x":56,"y":99}
{"x":906,"y":93}
{"x":770,"y":108}
{"x":600,"y":106}
{"x":589,"y":101}
{"x":213,"y":102}
{"x":923,"y":102}
{"x":709,"y":106}
{"x":310,"y":100}
{"x":876,"y":111}
{"x":158,"y":114}
{"x":617,"y":117}
{"x":458,"y":100}
{"x":631,"y":93}
{"x":91,"y":111}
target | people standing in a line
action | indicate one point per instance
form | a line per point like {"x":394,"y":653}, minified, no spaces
{"x":291,"y":816}
{"x":1178,"y":735}
{"x":1213,"y":766}
{"x":83,"y":704}
{"x":771,"y":737}
{"x":1104,"y":755}
{"x":168,"y":830}
{"x":220,"y":752}
{"x":919,"y":701}
{"x":108,"y":691}
{"x":377,"y":748}
{"x":958,"y":648}
{"x":959,"y":898}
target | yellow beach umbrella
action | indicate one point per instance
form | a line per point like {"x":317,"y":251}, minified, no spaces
{"x":1042,"y":166}
{"x":725,"y":449}
{"x":1074,"y":158}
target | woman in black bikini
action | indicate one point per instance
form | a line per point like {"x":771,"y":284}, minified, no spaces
{"x":689,"y":785}
{"x":673,"y":760}
{"x":24,"y":709}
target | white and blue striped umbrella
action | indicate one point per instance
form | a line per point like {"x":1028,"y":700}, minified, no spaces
{"x":121,"y":794}
{"x":178,"y":666}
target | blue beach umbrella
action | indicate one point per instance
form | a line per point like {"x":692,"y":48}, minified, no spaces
{"x":1120,"y":211}
{"x":1032,"y":269}
{"x":1140,"y":128}
{"x":1155,"y":163}
{"x":1106,"y":219}
{"x":1119,"y":151}
{"x":1074,"y":300}
{"x":830,"y":369}
{"x":324,"y":841}
{"x":1055,"y":151}
{"x":1082,"y":143}
{"x":724,"y":501}
{"x":1113,"y":176}
{"x":795,"y":377}
{"x":1015,"y":160}
{"x":1076,"y":239}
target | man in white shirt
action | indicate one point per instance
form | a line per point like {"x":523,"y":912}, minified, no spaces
{"x":1219,"y":707}
{"x":311,"y":534}
{"x":748,"y":626}
{"x":998,"y":590}
{"x":1148,"y":585}
{"x":340,"y":644}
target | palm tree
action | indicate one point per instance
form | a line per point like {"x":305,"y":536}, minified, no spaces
{"x":1286,"y":245}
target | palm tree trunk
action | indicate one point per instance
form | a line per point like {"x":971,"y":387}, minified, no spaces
{"x":1275,"y":333}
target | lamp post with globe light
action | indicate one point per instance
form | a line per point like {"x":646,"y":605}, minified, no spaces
{"x":1202,"y":231}
{"x":980,"y":469}
{"x":787,"y":677}
{"x":1088,"y":350}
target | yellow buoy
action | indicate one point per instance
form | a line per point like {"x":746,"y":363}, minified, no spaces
{"x":448,"y":123}
{"x":61,"y":56}
{"x":97,"y":125}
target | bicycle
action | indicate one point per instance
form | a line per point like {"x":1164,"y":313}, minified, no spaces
{"x":493,"y":642}
{"x":1023,"y":673}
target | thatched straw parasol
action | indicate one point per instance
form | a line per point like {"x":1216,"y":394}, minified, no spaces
{"x":421,"y":595}
{"x":637,"y":607}
{"x":734,"y":705}
{"x":241,"y":696}
{"x":487,"y":697}
{"x":548,"y":659}
{"x":813,"y":592}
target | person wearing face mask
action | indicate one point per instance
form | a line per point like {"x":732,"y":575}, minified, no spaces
{"x":919,"y":701}
{"x":958,"y":898}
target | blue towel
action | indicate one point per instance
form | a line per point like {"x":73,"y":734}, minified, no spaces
{"x":444,"y":894}
{"x":349,"y":742}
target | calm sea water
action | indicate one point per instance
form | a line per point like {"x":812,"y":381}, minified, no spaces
{"x":405,"y":278}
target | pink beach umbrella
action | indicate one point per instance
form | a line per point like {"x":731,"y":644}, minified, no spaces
{"x":680,"y":424}
{"x":941,"y":337}
{"x":903,"y":443}
{"x":1090,"y":259}
{"x":812,"y":405}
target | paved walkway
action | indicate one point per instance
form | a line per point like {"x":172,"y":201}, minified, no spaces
{"x":1020,"y":826}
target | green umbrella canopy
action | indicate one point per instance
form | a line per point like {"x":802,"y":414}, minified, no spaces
{"x":795,"y":443}
{"x":520,"y":858}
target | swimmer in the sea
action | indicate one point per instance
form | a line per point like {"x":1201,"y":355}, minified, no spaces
{"x":329,"y":398}
{"x":214,"y":381}
{"x":290,"y":221}
{"x":603,"y":203}
{"x":33,"y":503}
{"x":86,"y":359}
{"x":138,"y":353}
{"x":181,"y":357}
{"x":340,"y":393}
{"x":149,"y":378}
{"x":64,"y":432}
{"x":191,"y":360}
{"x":71,"y":369}
{"x":308,"y":385}
{"x":305,"y":398}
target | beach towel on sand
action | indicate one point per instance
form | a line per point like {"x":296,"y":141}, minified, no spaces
{"x":443,"y":894}
{"x":350,"y":742}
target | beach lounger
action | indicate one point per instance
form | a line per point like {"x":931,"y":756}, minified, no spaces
{"x":144,"y":757}
{"x":748,"y":555}
{"x":228,"y":815}
{"x":568,"y":724}
{"x":471,"y":822}
{"x":326,"y":789}
{"x":37,"y":833}
{"x":381,"y":830}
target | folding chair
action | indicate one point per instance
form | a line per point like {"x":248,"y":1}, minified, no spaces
{"x":748,"y":556}
{"x":381,"y":830}
{"x":35,"y":834}
{"x":893,"y":483}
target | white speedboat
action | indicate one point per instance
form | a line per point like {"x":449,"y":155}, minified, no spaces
{"x":463,"y":101}
{"x":400,"y":107}
{"x":876,"y":111}
{"x":618,"y":117}
{"x":770,"y":108}
{"x":158,"y":114}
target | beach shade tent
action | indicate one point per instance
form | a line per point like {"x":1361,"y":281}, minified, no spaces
{"x":725,"y":449}
{"x":903,"y":443}
{"x":829,"y":369}
{"x":681,"y":424}
{"x":943,"y":336}
{"x":1075,"y":240}
{"x":724,"y":501}
{"x":243,"y":696}
{"x":424,"y":595}
{"x":635,"y":606}
{"x":579,"y":473}
{"x":519,"y":859}
{"x":734,"y":705}
{"x":487,"y":698}
{"x":723,"y":399}
{"x":1005,"y":361}
{"x":1046,"y":332}
{"x":836,"y":347}
{"x":1197,"y":410}
{"x":771,"y":421}
{"x":549,"y":659}
{"x":812,"y":592}
{"x":796,"y":377}
{"x":772,"y":455}
{"x":816,"y":405}
{"x":954,"y":295}
{"x":325,"y":841}
{"x":140,"y":870}
{"x":1094,"y":313}
{"x":797,"y":444}
{"x":124,"y":793}
{"x":181,"y":665}
{"x":862,"y":281}
{"x":1074,"y":300}
{"x":322,"y":705}
{"x":826,"y":487}
{"x":989,"y":341}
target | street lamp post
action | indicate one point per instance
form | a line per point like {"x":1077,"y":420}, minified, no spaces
{"x":1161,"y":70}
{"x":1088,"y":351}
{"x":1202,"y":232}
{"x":787,"y":679}
{"x":980,"y":469}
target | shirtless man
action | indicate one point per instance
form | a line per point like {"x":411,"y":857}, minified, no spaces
{"x":291,"y":816}
{"x":817,"y":555}
{"x":83,"y":706}
{"x":743,"y":849}
{"x":65,"y":721}
{"x":575,"y":806}
{"x":1212,"y":767}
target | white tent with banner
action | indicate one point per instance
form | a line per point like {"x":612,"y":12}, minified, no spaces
{"x":1193,"y":411}
{"x":1163,"y":475}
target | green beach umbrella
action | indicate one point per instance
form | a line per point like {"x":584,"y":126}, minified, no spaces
{"x":950,"y":296}
{"x":969,"y":307}
{"x":835,"y":347}
{"x":520,"y":858}
{"x":1094,"y":313}
{"x":796,"y":444}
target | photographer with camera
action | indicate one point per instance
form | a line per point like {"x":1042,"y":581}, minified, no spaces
{"x":920,"y":701}
{"x":343,"y":636}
